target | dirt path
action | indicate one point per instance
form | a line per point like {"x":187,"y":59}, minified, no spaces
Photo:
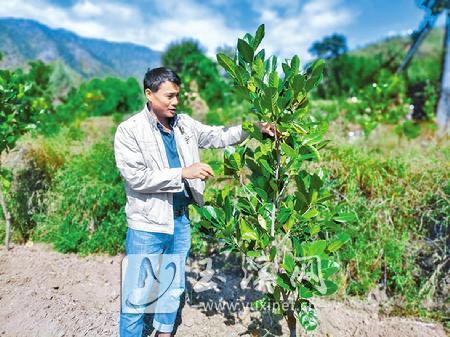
{"x":44,"y":293}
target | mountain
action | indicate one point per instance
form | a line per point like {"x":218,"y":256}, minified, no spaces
{"x":22,"y":40}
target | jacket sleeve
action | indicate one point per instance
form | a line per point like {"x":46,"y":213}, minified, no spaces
{"x":218,"y":136}
{"x":132,"y":167}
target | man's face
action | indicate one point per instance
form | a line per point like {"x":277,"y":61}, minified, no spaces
{"x":164,"y":101}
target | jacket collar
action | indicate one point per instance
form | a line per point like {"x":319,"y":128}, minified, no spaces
{"x":154,"y":120}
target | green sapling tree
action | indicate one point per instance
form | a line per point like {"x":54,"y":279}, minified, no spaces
{"x":280,"y":215}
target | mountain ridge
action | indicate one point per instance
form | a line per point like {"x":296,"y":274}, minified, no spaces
{"x":22,"y":40}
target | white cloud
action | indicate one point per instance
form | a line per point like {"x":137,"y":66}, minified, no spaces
{"x":291,"y":27}
{"x":87,"y":9}
{"x":155,"y":25}
{"x":295,"y":32}
{"x":102,"y":20}
{"x":181,"y":19}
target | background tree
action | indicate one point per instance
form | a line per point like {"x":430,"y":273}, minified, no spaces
{"x":433,"y":9}
{"x":177,"y":51}
{"x":24,"y":100}
{"x":331,"y":47}
{"x":197,"y":71}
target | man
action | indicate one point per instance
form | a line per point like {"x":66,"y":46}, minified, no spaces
{"x":157,"y":154}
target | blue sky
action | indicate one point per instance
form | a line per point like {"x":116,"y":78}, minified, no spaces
{"x":291,"y":26}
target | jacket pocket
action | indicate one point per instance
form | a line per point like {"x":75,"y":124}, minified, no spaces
{"x":136,"y":202}
{"x":156,"y":207}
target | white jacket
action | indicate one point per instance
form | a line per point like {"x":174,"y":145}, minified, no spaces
{"x":142,"y":161}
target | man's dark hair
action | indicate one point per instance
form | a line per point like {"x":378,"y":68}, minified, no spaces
{"x":155,"y":77}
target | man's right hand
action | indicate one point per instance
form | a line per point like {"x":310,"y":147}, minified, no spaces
{"x":197,"y":170}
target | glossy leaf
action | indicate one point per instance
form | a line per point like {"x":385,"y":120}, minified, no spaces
{"x":228,"y":64}
{"x":245,"y":50}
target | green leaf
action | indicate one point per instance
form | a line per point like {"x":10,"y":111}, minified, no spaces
{"x":261,"y":55}
{"x":258,"y":68}
{"x":248,"y":38}
{"x":335,"y":245}
{"x":210,"y":212}
{"x":345,"y":217}
{"x":252,"y":130}
{"x":283,"y":281}
{"x":338,"y":243}
{"x":299,"y":128}
{"x":316,"y":182}
{"x":316,"y":74}
{"x":314,"y":228}
{"x":245,"y":50}
{"x":273,"y":252}
{"x":273,"y":185}
{"x":331,"y":288}
{"x":295,"y":64}
{"x":297,"y":246}
{"x":274,"y":80}
{"x":274,"y":63}
{"x":313,"y":153}
{"x":310,"y":83}
{"x":318,"y":67}
{"x":227,"y":64}
{"x":329,"y":268}
{"x":308,"y":317}
{"x":258,"y":36}
{"x":261,"y":193}
{"x":283,"y":214}
{"x":286,"y":69}
{"x":288,"y":263}
{"x":310,"y":214}
{"x":304,"y":292}
{"x":314,"y":248}
{"x":288,"y":225}
{"x":254,"y":253}
{"x":298,"y":83}
{"x":288,"y":150}
{"x":243,"y":93}
{"x":242,"y":75}
{"x":262,"y":222}
{"x":270,"y":99}
{"x":252,"y":164}
{"x":266,"y":166}
{"x":247,"y":233}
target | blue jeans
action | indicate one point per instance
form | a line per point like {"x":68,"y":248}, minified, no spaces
{"x":140,"y":242}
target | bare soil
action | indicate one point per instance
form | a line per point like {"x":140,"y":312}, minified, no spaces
{"x":45,"y":293}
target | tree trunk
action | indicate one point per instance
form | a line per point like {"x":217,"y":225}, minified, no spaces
{"x":443,"y":110}
{"x":424,"y":31}
{"x":7,"y":217}
{"x":292,"y":324}
{"x":275,"y":200}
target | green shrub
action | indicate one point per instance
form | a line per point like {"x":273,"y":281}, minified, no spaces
{"x":383,"y":102}
{"x":398,"y":195}
{"x":86,"y":205}
{"x":228,"y":115}
{"x":98,"y":97}
{"x":326,"y":110}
